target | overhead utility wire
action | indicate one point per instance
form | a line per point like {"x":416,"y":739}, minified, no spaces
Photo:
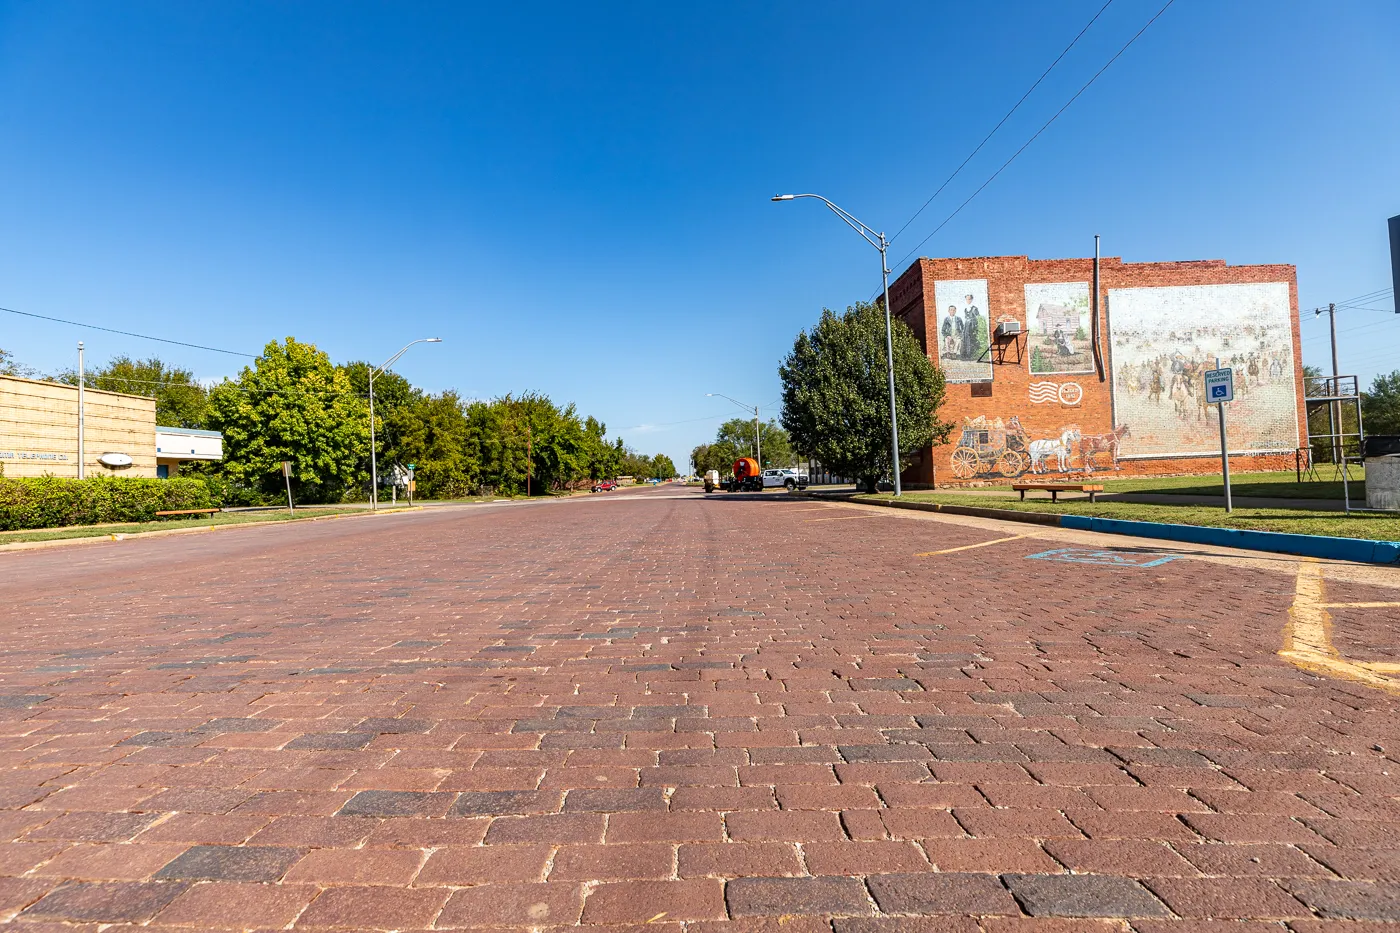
{"x":1043,"y":128}
{"x":126,"y":333}
{"x":1003,"y":120}
{"x":1370,"y":296}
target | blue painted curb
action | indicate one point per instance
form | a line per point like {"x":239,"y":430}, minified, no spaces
{"x":1353,"y":549}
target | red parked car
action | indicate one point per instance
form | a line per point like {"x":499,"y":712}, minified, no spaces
{"x":606,"y":485}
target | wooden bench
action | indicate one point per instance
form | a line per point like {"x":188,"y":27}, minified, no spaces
{"x":1056,"y":488}
{"x":187,"y":511}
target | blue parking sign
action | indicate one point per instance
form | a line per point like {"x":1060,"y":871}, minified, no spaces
{"x":1220,"y":385}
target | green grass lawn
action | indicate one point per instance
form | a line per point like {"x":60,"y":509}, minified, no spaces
{"x":1281,"y":485}
{"x":1296,"y":521}
{"x":131,"y":528}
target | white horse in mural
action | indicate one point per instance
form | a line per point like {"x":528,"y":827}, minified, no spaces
{"x":1061,"y":449}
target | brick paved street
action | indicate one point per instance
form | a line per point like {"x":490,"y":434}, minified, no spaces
{"x":656,"y":711}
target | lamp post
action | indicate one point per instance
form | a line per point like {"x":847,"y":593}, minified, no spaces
{"x":757,"y":437}
{"x":878,"y":241}
{"x":82,"y":467}
{"x":373,"y":452}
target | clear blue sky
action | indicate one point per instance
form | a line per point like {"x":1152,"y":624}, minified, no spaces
{"x":576,"y":197}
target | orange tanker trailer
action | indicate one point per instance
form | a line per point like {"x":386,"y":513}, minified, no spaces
{"x":747,"y":476}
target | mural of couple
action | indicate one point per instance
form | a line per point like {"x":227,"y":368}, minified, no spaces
{"x":964,"y":335}
{"x":1057,"y":315}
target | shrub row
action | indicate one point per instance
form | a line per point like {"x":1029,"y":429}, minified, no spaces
{"x":50,"y":501}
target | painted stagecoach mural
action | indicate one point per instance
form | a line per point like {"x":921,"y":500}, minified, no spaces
{"x":1057,"y":318}
{"x":995,"y":448}
{"x":1164,"y":339}
{"x":964,"y":332}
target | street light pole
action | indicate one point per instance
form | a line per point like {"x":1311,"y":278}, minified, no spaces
{"x":373,"y":447}
{"x":82,"y":468}
{"x":757,"y":437}
{"x":878,"y":241}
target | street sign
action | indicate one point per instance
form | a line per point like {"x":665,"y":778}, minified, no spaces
{"x":411,"y":466}
{"x":1220,"y":388}
{"x":287,"y":468}
{"x":1220,"y":385}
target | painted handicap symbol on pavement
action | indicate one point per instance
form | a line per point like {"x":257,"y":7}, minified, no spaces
{"x":1104,"y":558}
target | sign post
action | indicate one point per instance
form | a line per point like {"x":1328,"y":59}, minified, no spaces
{"x":410,"y":483}
{"x":1220,"y":388}
{"x":287,"y":475}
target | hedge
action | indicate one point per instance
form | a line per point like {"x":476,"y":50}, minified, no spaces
{"x":50,"y":501}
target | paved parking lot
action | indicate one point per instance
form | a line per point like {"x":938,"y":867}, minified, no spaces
{"x":665,"y":712}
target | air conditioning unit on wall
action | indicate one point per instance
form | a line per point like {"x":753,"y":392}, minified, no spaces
{"x":1008,"y":329}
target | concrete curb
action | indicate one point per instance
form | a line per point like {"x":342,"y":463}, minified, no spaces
{"x":1357,"y":550}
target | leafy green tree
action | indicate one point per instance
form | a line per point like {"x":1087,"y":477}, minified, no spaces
{"x":494,"y":442}
{"x":436,"y":441}
{"x":719,"y":456}
{"x":836,"y":398}
{"x":181,"y":402}
{"x":555,"y":440}
{"x":662,"y":467}
{"x":9,"y":366}
{"x":1380,"y":405}
{"x":291,"y":404}
{"x":738,"y":434}
{"x":634,"y":464}
{"x":603,"y":458}
{"x":396,"y":414}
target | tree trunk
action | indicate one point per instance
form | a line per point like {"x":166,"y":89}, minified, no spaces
{"x":872,"y":483}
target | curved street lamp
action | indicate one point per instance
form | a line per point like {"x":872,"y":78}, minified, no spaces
{"x":878,"y":241}
{"x":757,"y":438}
{"x":373,"y":447}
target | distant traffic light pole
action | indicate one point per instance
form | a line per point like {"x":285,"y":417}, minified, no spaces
{"x":757,"y":437}
{"x":373,"y":451}
{"x":878,"y":241}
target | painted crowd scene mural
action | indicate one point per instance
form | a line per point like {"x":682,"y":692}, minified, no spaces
{"x":1164,"y":339}
{"x":1057,"y":318}
{"x":964,"y":334}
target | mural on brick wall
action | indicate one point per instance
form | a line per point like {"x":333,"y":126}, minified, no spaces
{"x":1057,"y":319}
{"x":963,"y":330}
{"x":995,"y":448}
{"x":1164,"y":339}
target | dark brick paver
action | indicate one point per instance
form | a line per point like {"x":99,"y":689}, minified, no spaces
{"x":658,"y":711}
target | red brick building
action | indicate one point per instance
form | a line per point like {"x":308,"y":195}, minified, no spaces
{"x":1044,"y":381}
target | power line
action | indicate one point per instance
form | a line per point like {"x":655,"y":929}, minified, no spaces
{"x":127,"y":333}
{"x":1370,"y":296}
{"x":1003,"y":120}
{"x":1036,"y":136}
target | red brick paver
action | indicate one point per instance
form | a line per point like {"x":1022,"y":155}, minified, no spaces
{"x":662,"y":711}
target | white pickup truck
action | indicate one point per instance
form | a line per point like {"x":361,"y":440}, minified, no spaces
{"x":792,"y":479}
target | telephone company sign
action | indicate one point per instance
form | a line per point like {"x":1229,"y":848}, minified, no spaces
{"x":30,"y":455}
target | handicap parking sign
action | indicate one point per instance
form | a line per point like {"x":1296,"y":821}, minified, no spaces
{"x":1220,"y":385}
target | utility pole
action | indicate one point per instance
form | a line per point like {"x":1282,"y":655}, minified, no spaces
{"x":757,"y":438}
{"x":1334,"y":408}
{"x":82,"y":468}
{"x":529,"y":458}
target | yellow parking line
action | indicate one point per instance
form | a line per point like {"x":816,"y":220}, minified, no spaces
{"x":968,"y":547}
{"x":846,"y":518}
{"x":1358,"y":605}
{"x":1307,"y":639}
